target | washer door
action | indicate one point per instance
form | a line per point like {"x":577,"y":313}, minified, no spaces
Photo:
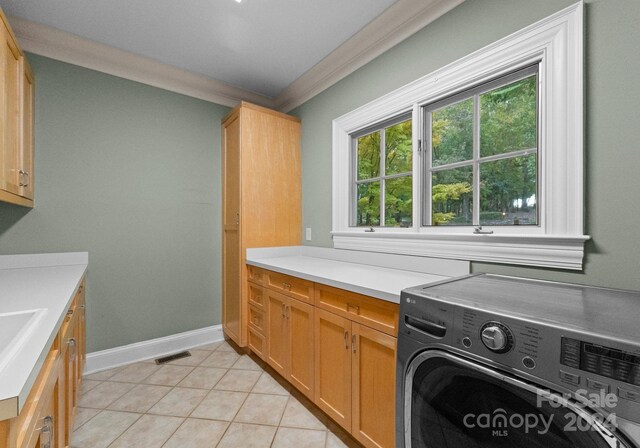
{"x":450,"y":402}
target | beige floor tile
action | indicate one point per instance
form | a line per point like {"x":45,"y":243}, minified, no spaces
{"x":87,"y":385}
{"x":299,"y":438}
{"x":179,"y":402}
{"x":268,"y":385}
{"x":262,"y":409}
{"x":203,"y":378}
{"x":140,"y":399}
{"x":221,"y":359}
{"x":197,"y":433}
{"x":104,"y":394}
{"x":238,"y":380}
{"x":83,"y":415}
{"x":135,"y":373}
{"x":211,"y":347}
{"x":197,"y":356}
{"x":241,"y":435}
{"x":296,"y":415}
{"x":169,"y":375}
{"x":246,"y":363}
{"x":225,"y":347}
{"x":102,"y":376}
{"x":220,"y":405}
{"x":103,"y":429}
{"x":334,"y":442}
{"x":150,"y":431}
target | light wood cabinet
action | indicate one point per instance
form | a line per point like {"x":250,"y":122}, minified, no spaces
{"x":333,"y":366}
{"x":290,"y":340}
{"x":46,"y":419}
{"x":373,"y":382}
{"x":16,"y":120}
{"x":261,"y":190}
{"x":335,"y":346}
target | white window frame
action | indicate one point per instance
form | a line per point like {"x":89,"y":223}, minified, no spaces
{"x":558,"y":241}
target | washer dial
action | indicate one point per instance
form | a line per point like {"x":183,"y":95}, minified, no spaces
{"x":496,"y":337}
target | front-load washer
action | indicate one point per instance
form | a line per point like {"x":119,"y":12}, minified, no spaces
{"x":494,"y":361}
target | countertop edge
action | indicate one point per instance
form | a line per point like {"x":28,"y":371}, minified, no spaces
{"x":21,"y":398}
{"x":388,"y":297}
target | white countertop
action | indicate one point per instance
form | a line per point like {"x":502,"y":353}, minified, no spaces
{"x":382,"y":276}
{"x":46,"y":283}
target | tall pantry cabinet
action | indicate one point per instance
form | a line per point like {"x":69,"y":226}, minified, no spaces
{"x":262,"y":199}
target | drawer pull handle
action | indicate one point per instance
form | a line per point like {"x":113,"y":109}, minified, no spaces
{"x":286,"y":286}
{"x":346,"y":339}
{"x":355,"y":307}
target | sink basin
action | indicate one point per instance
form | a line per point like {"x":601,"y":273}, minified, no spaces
{"x":14,"y":329}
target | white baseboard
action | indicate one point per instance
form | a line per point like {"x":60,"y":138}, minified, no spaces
{"x":154,"y":348}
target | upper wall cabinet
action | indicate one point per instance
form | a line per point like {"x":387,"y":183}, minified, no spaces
{"x":16,"y":121}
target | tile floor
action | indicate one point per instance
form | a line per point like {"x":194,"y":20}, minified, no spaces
{"x":215,"y":398}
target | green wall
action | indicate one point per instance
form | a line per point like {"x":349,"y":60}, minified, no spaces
{"x":131,"y":174}
{"x":612,"y":133}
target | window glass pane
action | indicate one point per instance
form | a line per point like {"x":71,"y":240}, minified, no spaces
{"x":508,"y":191}
{"x":452,"y":133}
{"x":369,"y":156}
{"x":398,"y":202}
{"x":508,"y":118}
{"x":452,"y":197}
{"x":398,"y":148}
{"x":368,"y":207}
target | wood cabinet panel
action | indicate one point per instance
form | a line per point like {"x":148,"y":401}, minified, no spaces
{"x":257,"y":344}
{"x":277,"y":332}
{"x":301,"y":360}
{"x":374,"y":313}
{"x":16,"y":120}
{"x":261,"y":201}
{"x":373,"y":387}
{"x":297,"y":288}
{"x":333,"y":366}
{"x":256,"y":296}
{"x":257,"y":319}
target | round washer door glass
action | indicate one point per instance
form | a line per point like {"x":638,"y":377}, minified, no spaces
{"x":453,"y":402}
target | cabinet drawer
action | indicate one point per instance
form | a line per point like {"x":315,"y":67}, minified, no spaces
{"x":255,"y":274}
{"x":257,"y":344}
{"x":374,"y":313}
{"x":256,"y":296}
{"x":291,"y":286}
{"x":257,"y":319}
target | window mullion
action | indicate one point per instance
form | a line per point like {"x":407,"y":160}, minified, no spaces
{"x":476,"y":160}
{"x":382,"y":175}
{"x":427,"y":219}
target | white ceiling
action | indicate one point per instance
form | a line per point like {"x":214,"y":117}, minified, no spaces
{"x":258,"y":45}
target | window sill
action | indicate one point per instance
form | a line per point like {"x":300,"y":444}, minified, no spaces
{"x":563,"y":252}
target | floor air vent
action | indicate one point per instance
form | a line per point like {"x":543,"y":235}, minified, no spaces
{"x":173,"y":357}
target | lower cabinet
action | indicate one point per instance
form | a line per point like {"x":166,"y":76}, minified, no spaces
{"x":355,"y":378}
{"x":46,"y":419}
{"x":290,"y":340}
{"x":337,"y":347}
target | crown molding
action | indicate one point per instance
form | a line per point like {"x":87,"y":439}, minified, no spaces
{"x":394,"y":25}
{"x":56,"y":44}
{"x":398,"y":22}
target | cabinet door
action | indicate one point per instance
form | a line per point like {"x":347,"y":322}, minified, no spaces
{"x":374,"y":385}
{"x":332,"y":359}
{"x":300,"y":322}
{"x":232,"y":311}
{"x":277,"y":332}
{"x":26,"y":142}
{"x":10,"y":175}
